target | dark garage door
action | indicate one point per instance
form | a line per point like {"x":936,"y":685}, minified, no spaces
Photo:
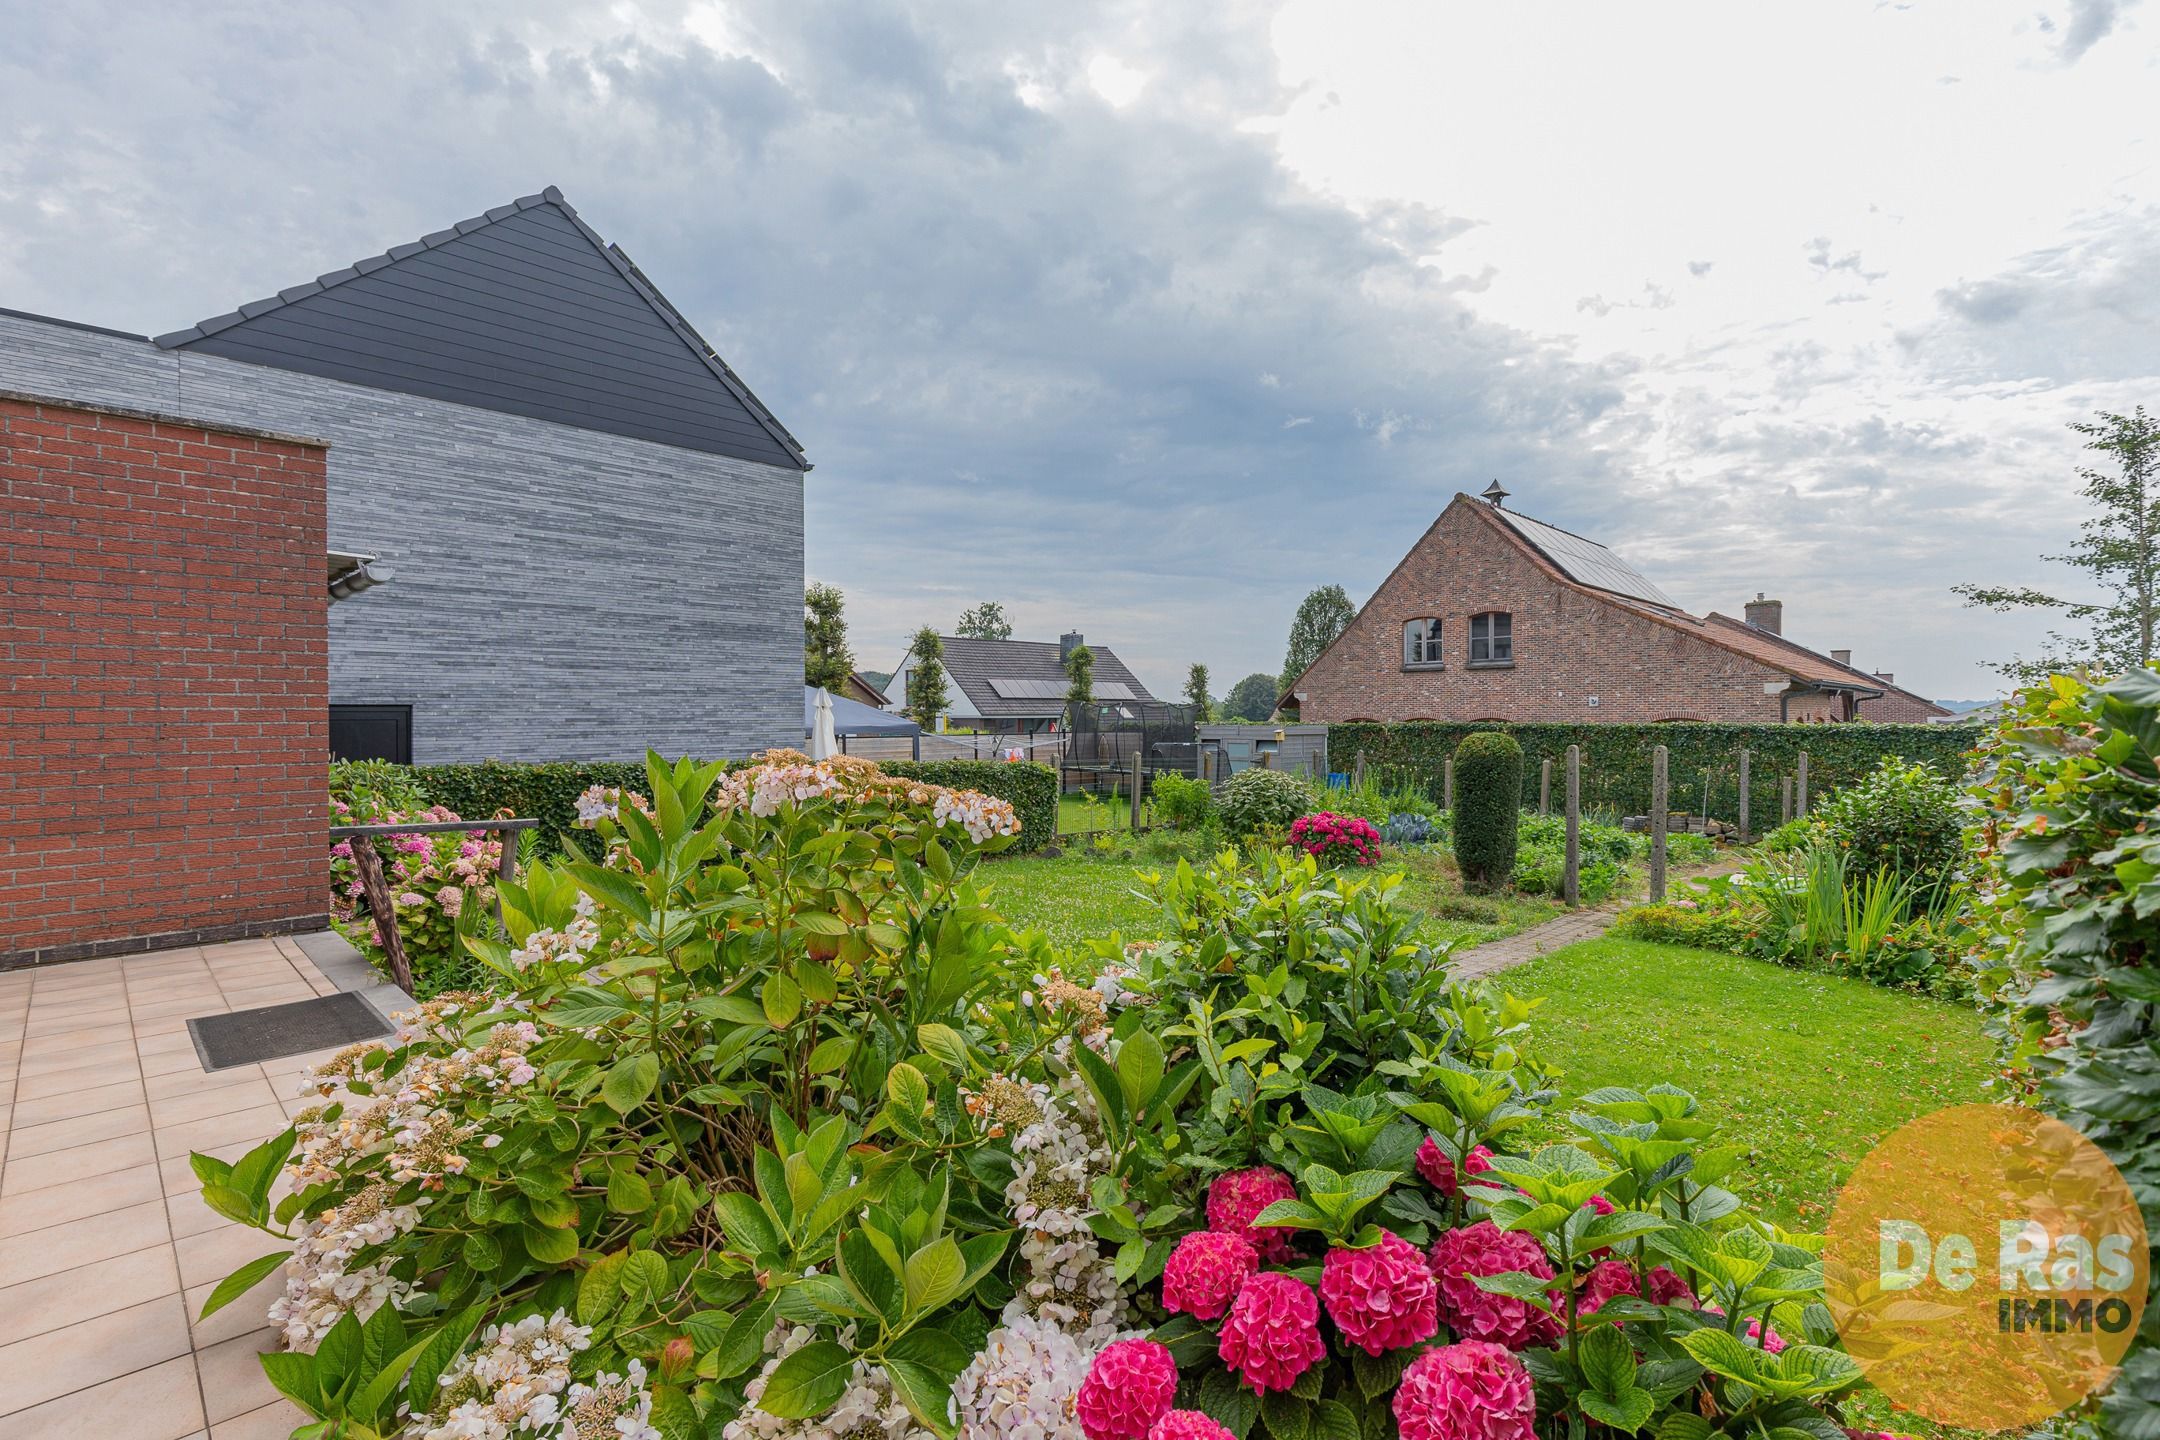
{"x":371,"y":732}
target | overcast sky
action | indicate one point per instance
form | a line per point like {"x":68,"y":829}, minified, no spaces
{"x":1144,"y":319}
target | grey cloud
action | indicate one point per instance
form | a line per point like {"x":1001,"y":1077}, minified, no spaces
{"x":2091,"y":21}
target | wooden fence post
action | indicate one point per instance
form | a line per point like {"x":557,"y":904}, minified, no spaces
{"x":1784,"y":799}
{"x":1706,"y":802}
{"x":1571,"y":877}
{"x":382,"y":909}
{"x":1660,"y":805}
{"x":1447,"y":783}
{"x":1743,"y":795}
{"x":1357,"y":772}
{"x":1139,"y":781}
{"x":1544,"y":786}
{"x":1800,"y":787}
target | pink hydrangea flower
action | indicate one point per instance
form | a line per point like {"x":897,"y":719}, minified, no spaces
{"x":1486,"y":1249}
{"x":1272,"y":1334}
{"x":1473,"y":1390}
{"x":1667,"y":1288}
{"x":1188,"y":1425}
{"x":1605,"y":1280}
{"x":1234,"y":1199}
{"x":1439,"y":1171}
{"x":1771,"y":1342}
{"x":1128,"y":1388}
{"x":1203,"y":1273}
{"x":1383,"y":1297}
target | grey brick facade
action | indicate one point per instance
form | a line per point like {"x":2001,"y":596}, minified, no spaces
{"x":561,"y":594}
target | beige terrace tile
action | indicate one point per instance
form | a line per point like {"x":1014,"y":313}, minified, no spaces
{"x":166,"y":1043}
{"x":241,"y":1317}
{"x":40,"y":1209}
{"x":63,"y":1167}
{"x":177,"y":1174}
{"x":256,"y":1124}
{"x":215,"y":1254}
{"x":86,"y":1292}
{"x":102,"y":1051}
{"x":272,"y":1422}
{"x":38,"y":1253}
{"x":88,"y":1100}
{"x":172,"y":1062}
{"x":68,"y":1082}
{"x":54,"y":1135}
{"x":186,"y":1007}
{"x":194,"y":1082}
{"x":60,"y":1362}
{"x":163,"y":1402}
{"x":188,"y":1215}
{"x":112,"y":1016}
{"x":67,"y":1042}
{"x":232,"y":1376}
{"x":164,"y":1025}
{"x":203,"y":1104}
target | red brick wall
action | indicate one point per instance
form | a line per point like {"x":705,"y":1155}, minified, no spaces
{"x":164,"y":682}
{"x":1569,"y":646}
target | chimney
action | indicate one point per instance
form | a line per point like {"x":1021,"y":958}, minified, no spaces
{"x":1886,"y":677}
{"x":1843,"y":657}
{"x":1067,"y":643}
{"x":1494,"y":496}
{"x":1766,"y":614}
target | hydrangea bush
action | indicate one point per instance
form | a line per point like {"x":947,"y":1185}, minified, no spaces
{"x":765,"y":1127}
{"x":442,"y":888}
{"x":1336,"y":839}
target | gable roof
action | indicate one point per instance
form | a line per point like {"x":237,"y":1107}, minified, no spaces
{"x":522,"y":310}
{"x":1586,"y":557}
{"x":1025,"y":679}
{"x":1583,"y":560}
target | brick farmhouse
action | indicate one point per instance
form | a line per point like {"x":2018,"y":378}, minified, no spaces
{"x":1494,"y":616}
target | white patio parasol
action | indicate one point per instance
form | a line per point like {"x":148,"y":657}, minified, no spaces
{"x":823,"y":743}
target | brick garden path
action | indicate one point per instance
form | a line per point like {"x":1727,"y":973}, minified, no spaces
{"x":1585,"y":924}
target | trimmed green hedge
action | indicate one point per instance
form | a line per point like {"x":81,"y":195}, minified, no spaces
{"x":1488,"y":776}
{"x":549,"y":792}
{"x":1616,"y":759}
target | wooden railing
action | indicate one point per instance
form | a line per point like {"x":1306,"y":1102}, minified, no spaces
{"x":382,"y":905}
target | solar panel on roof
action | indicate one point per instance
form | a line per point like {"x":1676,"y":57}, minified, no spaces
{"x":1585,"y":561}
{"x":1013,"y":687}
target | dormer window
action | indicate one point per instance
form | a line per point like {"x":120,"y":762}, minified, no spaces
{"x":1492,"y":638}
{"x":1421,"y":644}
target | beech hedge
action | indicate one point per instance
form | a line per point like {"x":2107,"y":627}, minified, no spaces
{"x":1616,"y":758}
{"x":548,"y":792}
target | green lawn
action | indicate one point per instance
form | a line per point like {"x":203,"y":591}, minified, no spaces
{"x":1808,"y":1070}
{"x":1074,"y":897}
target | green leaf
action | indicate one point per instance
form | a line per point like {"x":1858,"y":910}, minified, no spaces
{"x":1684,"y":1425}
{"x":934,"y":1274}
{"x":1139,"y":1070}
{"x":548,"y":1245}
{"x":1726,"y":1355}
{"x":782,"y":999}
{"x":630,"y":1081}
{"x":599,"y":1288}
{"x":1608,"y":1361}
{"x":443,"y":1346}
{"x":808,"y":1382}
{"x":628,"y":1193}
{"x":832,"y":1053}
{"x":1628,"y":1411}
{"x":294,"y":1376}
{"x":749,"y":1229}
{"x":907,"y":1091}
{"x":645,"y":1281}
{"x":242,"y":1280}
{"x":818,"y":922}
{"x":740,"y":1344}
{"x":946,"y":1044}
{"x":927,"y":1395}
{"x":338,"y":1354}
{"x":1287,"y":1417}
{"x":1377,"y":1374}
{"x":1333,"y":1420}
{"x":1228,"y":1403}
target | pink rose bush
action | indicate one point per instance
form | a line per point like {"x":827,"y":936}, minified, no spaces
{"x":1472,"y":1390}
{"x":1336,"y":839}
{"x":1381,"y":1298}
{"x":1205,"y":1271}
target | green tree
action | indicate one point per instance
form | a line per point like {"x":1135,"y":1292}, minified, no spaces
{"x":1321,"y":616}
{"x":1252,"y":698}
{"x":827,"y":661}
{"x":2118,"y":548}
{"x":926,"y":697}
{"x":985,"y":622}
{"x":1080,"y":673}
{"x":1196,"y":692}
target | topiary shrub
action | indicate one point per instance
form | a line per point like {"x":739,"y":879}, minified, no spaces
{"x":1902,"y":817}
{"x":1258,"y":799}
{"x":1488,"y":782}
